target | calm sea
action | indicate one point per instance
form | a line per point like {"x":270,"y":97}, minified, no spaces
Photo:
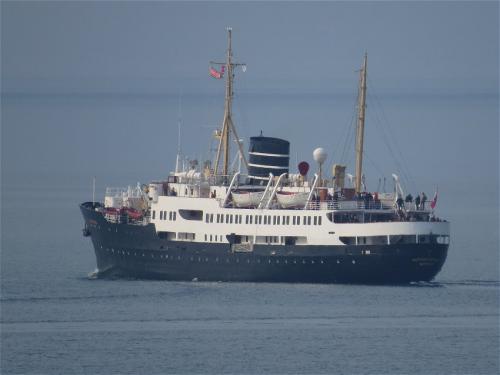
{"x":57,"y":320}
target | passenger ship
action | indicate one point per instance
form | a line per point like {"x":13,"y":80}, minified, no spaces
{"x":268,"y":226}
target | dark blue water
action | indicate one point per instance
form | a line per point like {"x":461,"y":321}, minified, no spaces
{"x":57,"y":320}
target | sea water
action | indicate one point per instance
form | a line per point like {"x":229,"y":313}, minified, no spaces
{"x":58,"y":319}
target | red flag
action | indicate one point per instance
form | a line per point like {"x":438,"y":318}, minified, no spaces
{"x":434,"y":200}
{"x":214,"y":73}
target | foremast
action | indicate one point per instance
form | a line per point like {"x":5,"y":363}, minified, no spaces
{"x":360,"y":130}
{"x":227,"y":123}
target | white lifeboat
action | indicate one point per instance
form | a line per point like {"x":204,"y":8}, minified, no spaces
{"x":292,"y":199}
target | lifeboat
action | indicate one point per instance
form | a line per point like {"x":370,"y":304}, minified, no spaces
{"x":247,"y":198}
{"x":292,"y":199}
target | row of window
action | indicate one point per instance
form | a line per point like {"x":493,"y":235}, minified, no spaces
{"x":252,"y":260}
{"x":165,"y":215}
{"x":395,"y":239}
{"x":213,"y":238}
{"x":262,"y":219}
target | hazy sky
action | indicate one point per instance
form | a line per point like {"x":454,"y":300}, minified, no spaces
{"x":165,"y":46}
{"x":140,"y":47}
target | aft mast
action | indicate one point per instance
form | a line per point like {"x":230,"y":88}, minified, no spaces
{"x":227,"y":123}
{"x":361,"y":125}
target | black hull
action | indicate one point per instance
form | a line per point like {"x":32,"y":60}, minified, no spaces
{"x":136,"y":251}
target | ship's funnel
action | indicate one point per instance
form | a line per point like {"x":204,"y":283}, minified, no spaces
{"x":267,"y":155}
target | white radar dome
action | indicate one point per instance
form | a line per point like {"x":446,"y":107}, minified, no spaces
{"x":320,"y":155}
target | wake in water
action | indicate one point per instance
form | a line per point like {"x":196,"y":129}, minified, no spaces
{"x":93,"y":275}
{"x":99,"y":274}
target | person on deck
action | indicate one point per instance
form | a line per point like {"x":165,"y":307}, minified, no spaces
{"x":417,"y":202}
{"x":423,"y":199}
{"x":400,"y":203}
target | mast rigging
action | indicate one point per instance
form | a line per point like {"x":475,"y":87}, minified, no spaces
{"x":361,"y":125}
{"x":227,"y":123}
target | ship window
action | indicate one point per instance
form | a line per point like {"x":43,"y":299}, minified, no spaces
{"x":210,"y":238}
{"x":153,"y":215}
{"x":269,"y":219}
{"x":246,"y":219}
{"x":205,"y":237}
{"x":161,"y":215}
{"x":186,"y":236}
{"x":265,"y":219}
{"x":278,"y":220}
{"x":298,"y":220}
{"x":315,"y":220}
{"x":401,"y":239}
{"x":175,"y":215}
{"x":443,"y":240}
{"x":230,"y":219}
{"x":227,"y":218}
{"x":376,"y":240}
{"x":191,"y":214}
{"x":294,"y":220}
{"x":206,"y":218}
{"x":348,"y":240}
{"x":211,"y":218}
{"x":424,"y":238}
{"x":319,"y":220}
